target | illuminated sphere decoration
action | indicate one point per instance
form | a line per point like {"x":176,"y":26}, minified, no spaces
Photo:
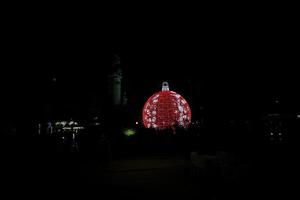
{"x":166,"y":109}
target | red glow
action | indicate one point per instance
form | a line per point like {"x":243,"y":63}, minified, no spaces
{"x":166,"y":109}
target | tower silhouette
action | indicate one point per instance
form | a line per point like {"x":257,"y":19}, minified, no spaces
{"x":115,"y":82}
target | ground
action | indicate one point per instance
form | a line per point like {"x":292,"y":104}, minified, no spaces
{"x":221,"y":175}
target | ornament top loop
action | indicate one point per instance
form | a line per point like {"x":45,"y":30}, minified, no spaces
{"x":165,"y":86}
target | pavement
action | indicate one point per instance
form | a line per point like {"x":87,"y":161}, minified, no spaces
{"x":173,"y":176}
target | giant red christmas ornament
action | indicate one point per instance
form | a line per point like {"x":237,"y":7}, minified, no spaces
{"x":166,"y":109}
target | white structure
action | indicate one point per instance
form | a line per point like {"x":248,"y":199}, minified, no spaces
{"x":115,"y":83}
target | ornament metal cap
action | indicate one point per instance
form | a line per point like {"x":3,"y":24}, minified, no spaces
{"x":165,"y":86}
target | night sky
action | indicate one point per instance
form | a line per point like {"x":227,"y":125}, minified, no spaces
{"x":233,"y":63}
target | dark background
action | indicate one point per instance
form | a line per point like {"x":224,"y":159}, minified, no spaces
{"x":236,"y":62}
{"x":233,"y":64}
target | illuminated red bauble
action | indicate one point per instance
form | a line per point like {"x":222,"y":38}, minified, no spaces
{"x":166,"y":109}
